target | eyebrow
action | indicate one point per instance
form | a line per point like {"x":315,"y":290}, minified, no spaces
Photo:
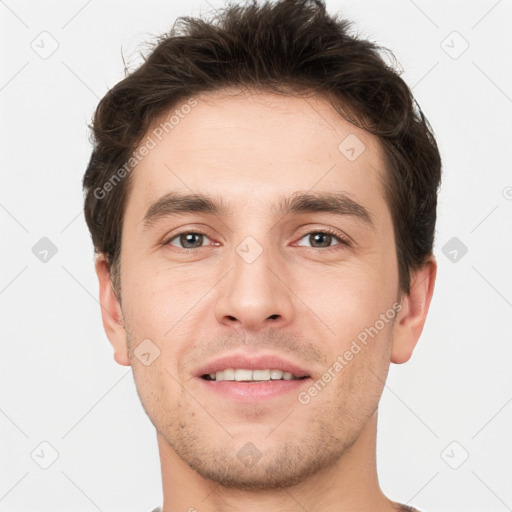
{"x":338,"y":203}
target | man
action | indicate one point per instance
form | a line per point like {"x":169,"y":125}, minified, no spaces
{"x":262,"y":200}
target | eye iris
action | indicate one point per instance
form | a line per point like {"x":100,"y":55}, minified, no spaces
{"x":320,"y":237}
{"x":188,"y":238}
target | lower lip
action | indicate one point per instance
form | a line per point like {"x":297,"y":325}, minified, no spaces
{"x":253,"y":391}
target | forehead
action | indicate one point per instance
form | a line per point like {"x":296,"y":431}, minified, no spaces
{"x":251,"y":148}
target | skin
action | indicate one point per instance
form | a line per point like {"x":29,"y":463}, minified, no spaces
{"x":301,"y":300}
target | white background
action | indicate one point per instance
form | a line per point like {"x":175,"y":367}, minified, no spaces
{"x":58,"y":380}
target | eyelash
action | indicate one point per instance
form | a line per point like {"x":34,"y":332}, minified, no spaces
{"x":325,"y":231}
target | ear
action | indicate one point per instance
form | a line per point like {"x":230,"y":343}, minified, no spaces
{"x":111,"y":312}
{"x":412,"y":316}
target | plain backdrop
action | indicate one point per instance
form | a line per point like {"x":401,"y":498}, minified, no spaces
{"x":444,"y":441}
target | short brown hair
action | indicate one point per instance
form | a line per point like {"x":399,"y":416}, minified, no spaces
{"x":288,"y":47}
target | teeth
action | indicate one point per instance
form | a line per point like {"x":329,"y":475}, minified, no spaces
{"x":251,"y":375}
{"x":243,"y":375}
{"x":261,"y":375}
{"x":276,"y":374}
{"x":229,"y":374}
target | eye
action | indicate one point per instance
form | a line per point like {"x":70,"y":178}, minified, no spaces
{"x":322,"y":239}
{"x":187,"y":240}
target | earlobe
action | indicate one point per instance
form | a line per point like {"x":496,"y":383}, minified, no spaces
{"x":411,"y":319}
{"x":111,"y":312}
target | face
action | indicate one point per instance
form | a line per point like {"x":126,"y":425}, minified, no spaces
{"x":247,"y":267}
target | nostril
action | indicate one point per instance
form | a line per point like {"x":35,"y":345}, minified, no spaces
{"x":274,"y":317}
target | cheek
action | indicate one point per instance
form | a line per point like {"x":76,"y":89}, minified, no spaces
{"x":166,"y":306}
{"x":157,"y":300}
{"x":347,"y":299}
{"x":158,"y":392}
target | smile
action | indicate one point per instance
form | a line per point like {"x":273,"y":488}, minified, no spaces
{"x":243,"y":375}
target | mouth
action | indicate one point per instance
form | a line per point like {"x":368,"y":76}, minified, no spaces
{"x":249,"y":378}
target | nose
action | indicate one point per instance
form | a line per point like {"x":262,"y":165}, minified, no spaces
{"x":254,"y":295}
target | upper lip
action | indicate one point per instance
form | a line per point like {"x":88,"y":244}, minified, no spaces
{"x":252,"y":362}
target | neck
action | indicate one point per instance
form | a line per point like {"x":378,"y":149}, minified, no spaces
{"x":350,"y":484}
